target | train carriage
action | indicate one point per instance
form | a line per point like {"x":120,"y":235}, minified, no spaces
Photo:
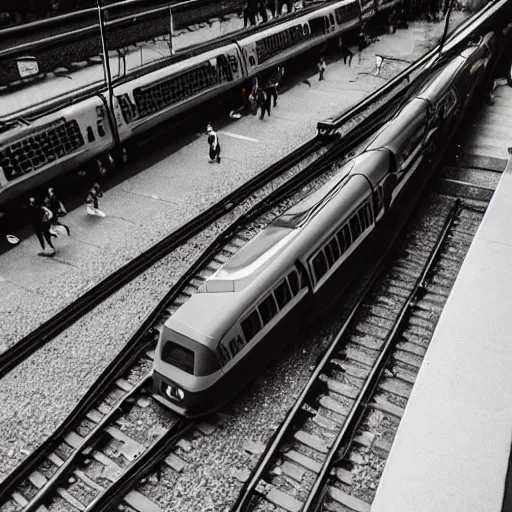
{"x":158,"y":96}
{"x":285,"y":41}
{"x":32,"y":153}
{"x":298,"y":265}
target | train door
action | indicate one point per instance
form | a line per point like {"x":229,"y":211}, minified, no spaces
{"x":382,"y":195}
{"x":250,"y":58}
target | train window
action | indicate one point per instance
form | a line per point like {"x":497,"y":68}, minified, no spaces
{"x":331,"y":17}
{"x":282,"y":294}
{"x":223,"y":355}
{"x":251,"y":325}
{"x":355,"y":228}
{"x":267,"y":309}
{"x":49,"y":143}
{"x":364,"y":217}
{"x":235,"y":345}
{"x":332,"y":251}
{"x":305,"y":29}
{"x":320,"y":265}
{"x":294,"y":280}
{"x":181,"y":357}
{"x":155,"y":97}
{"x":450,"y":102}
{"x":379,"y":199}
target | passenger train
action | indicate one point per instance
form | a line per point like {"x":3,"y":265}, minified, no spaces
{"x":34,"y":151}
{"x":248,"y":310}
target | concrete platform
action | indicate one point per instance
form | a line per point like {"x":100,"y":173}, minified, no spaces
{"x":164,"y":190}
{"x":452,"y":448}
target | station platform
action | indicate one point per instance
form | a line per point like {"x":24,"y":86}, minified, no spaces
{"x":452,"y":448}
{"x":163,"y":190}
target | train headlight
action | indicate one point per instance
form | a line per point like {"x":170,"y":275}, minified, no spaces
{"x":174,"y":392}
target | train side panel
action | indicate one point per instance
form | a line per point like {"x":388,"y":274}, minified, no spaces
{"x":158,"y":96}
{"x":36,"y":152}
{"x":285,"y":41}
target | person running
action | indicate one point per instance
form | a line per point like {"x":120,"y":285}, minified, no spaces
{"x":213,"y":141}
{"x":92,"y":201}
{"x":57,"y":208}
{"x":41,"y":220}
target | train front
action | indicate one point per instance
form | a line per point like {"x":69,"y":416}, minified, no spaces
{"x":186,"y":373}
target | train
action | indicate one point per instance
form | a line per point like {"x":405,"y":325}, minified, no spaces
{"x":246,"y":312}
{"x":35,"y":149}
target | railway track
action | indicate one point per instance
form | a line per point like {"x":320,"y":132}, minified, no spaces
{"x":329,"y":449}
{"x":90,"y":423}
{"x":83,"y":42}
{"x":316,"y":152}
{"x":36,"y":339}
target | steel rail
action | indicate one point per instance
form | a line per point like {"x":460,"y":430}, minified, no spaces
{"x":248,"y":491}
{"x":89,"y":443}
{"x":123,"y":275}
{"x":54,"y":104}
{"x":457,"y":38}
{"x":145,"y":335}
{"x":140,"y":467}
{"x":18,"y":31}
{"x":58,"y":40}
{"x":119,"y":278}
{"x":345,"y":436}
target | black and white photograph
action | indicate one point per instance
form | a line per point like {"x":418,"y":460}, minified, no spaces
{"x":255,"y":255}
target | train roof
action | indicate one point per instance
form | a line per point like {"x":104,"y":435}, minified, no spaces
{"x":396,"y":134}
{"x":204,"y":320}
{"x":250,"y":260}
{"x":262,"y":262}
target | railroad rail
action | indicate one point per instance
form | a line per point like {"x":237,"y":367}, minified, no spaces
{"x":375,"y":353}
{"x":79,"y":44}
{"x":143,"y":341}
{"x":115,"y":281}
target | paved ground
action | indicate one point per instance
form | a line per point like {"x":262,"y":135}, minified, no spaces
{"x":176,"y":184}
{"x":55,"y":85}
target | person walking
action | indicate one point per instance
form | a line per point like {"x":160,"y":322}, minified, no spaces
{"x":41,"y":220}
{"x":363,"y":42}
{"x":346,"y":52}
{"x":91,"y":201}
{"x":273,"y":83}
{"x":322,"y":66}
{"x":264,"y":102}
{"x":213,"y":141}
{"x":54,"y":204}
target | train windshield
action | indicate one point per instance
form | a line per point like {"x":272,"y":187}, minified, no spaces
{"x":189,"y":356}
{"x":181,"y":357}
